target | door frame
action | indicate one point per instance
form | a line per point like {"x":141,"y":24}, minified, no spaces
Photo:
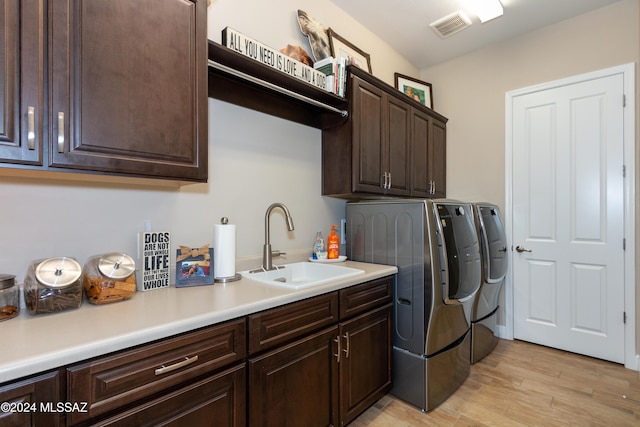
{"x":631,"y":358}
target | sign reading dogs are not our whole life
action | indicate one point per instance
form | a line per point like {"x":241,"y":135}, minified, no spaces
{"x":155,"y":249}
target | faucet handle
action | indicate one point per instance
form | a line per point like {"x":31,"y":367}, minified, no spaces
{"x":277,"y":253}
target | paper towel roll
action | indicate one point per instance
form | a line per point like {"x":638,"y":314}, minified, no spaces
{"x":224,"y":250}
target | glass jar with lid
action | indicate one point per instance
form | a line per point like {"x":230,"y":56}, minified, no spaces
{"x":53,"y":285}
{"x":9,"y":297}
{"x":109,"y":278}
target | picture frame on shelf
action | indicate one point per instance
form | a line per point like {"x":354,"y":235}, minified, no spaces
{"x":417,"y":89}
{"x":343,"y":48}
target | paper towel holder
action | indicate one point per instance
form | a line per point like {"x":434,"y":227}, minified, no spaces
{"x":224,"y":221}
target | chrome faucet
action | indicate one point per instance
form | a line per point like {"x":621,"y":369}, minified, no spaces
{"x":267,"y":255}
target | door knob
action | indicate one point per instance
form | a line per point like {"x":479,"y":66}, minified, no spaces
{"x":520,"y":249}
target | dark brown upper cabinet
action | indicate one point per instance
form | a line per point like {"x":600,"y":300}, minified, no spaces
{"x":428,"y":145}
{"x":125,"y":85}
{"x":22,"y":49}
{"x":390,"y":145}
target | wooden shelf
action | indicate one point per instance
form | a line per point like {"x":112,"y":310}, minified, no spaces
{"x":239,"y":80}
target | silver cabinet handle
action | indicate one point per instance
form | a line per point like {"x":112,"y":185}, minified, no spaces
{"x":31,"y":128}
{"x":166,"y":369}
{"x":389,"y":184}
{"x":346,"y":351}
{"x":432,"y":187}
{"x":60,"y":132}
{"x":337,"y":339}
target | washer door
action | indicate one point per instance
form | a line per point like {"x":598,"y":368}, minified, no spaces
{"x":459,"y":252}
{"x":494,"y":243}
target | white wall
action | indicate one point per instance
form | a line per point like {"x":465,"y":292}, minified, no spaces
{"x":254,"y":160}
{"x":470,"y":90}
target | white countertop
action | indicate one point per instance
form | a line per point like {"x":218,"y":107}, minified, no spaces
{"x":33,"y":344}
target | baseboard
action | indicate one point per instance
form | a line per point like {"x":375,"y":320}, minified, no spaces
{"x":501,"y":332}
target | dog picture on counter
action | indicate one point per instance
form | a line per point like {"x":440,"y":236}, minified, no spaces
{"x":194,"y":266}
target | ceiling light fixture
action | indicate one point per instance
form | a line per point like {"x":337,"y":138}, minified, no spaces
{"x":487,"y":9}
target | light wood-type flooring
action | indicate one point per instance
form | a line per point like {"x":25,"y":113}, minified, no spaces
{"x":523,"y":384}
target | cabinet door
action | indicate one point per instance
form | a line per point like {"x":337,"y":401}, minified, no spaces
{"x":296,"y":384}
{"x":421,"y":185}
{"x":128,"y":87}
{"x":218,"y":400}
{"x":21,"y":81}
{"x":39,"y":395}
{"x":398,"y":148}
{"x":428,"y":145}
{"x":365,"y":362}
{"x":438,"y":162}
{"x":369,"y":130}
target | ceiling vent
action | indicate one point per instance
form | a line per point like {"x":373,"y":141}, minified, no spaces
{"x":451,"y":24}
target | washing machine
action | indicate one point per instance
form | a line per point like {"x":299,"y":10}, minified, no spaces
{"x":435,"y":246}
{"x":493,"y":249}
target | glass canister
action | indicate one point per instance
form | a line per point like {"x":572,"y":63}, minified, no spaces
{"x":9,"y":297}
{"x":53,"y":285}
{"x":109,"y":278}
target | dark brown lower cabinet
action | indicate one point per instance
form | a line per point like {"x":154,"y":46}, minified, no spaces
{"x":29,"y":402}
{"x":218,"y":400}
{"x":365,"y":364}
{"x":329,"y":377}
{"x":188,"y":376}
{"x":316,"y":362}
{"x":296,"y":384}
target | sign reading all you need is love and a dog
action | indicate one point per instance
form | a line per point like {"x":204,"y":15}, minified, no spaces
{"x":257,"y":51}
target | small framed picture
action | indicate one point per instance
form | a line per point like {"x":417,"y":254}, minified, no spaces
{"x":418,"y":90}
{"x":342,"y":48}
{"x":194,"y":266}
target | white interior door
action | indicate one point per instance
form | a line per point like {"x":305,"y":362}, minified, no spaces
{"x":568,"y":214}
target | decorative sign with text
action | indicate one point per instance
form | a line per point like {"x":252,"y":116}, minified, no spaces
{"x":257,"y":51}
{"x":155,"y":248}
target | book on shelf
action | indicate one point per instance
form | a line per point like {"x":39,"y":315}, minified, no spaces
{"x":328,"y":61}
{"x":335,"y":69}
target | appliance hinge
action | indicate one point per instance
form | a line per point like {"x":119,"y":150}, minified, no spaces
{"x":624,"y":244}
{"x":624,"y":171}
{"x":624,"y":317}
{"x":624,"y":100}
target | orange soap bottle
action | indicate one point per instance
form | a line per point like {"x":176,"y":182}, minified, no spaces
{"x":333,"y":244}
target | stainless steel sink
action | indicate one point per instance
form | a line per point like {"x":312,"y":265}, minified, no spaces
{"x":301,"y":274}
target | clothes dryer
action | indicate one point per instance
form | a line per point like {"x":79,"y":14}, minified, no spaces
{"x":484,"y":312}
